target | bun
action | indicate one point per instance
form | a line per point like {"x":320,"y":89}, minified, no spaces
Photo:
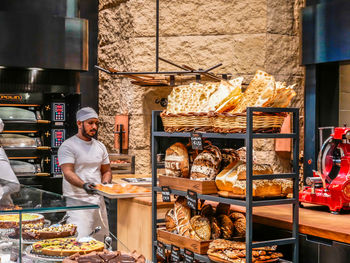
{"x":176,"y":161}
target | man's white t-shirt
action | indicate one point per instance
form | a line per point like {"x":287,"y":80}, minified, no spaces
{"x":87,"y":157}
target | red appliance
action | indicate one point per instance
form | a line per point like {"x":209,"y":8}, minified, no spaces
{"x":330,"y":184}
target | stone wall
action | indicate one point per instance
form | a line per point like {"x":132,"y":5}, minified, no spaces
{"x":244,"y":35}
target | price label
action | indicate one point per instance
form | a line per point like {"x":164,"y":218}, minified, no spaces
{"x":166,"y":194}
{"x":175,"y":254}
{"x":189,"y":256}
{"x":192,"y":200}
{"x":196,"y":141}
{"x":160,"y":249}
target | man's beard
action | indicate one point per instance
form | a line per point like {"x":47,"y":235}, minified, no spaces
{"x":85,"y":134}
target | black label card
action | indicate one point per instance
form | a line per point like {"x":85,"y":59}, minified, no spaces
{"x":175,"y":254}
{"x":192,"y":200}
{"x":166,"y":194}
{"x":160,"y":249}
{"x":196,"y":141}
{"x":189,"y":256}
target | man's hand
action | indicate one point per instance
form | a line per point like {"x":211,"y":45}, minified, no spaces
{"x":89,"y":188}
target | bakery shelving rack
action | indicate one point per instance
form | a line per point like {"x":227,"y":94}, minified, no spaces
{"x":158,"y":137}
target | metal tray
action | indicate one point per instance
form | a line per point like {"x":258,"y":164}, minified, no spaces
{"x":117,"y":196}
{"x":41,"y":258}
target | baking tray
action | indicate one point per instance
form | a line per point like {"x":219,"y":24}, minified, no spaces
{"x":118,"y":196}
{"x":41,"y":258}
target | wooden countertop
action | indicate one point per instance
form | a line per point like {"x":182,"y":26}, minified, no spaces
{"x":313,"y":220}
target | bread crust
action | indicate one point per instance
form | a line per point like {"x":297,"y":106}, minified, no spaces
{"x":176,"y":161}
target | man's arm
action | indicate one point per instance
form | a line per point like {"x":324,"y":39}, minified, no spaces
{"x":106,"y":173}
{"x":71,"y":176}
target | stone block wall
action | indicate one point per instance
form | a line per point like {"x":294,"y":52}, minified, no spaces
{"x":244,"y":35}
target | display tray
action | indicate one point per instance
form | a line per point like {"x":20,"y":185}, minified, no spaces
{"x":184,"y":184}
{"x":35,"y":256}
{"x":220,"y":260}
{"x":124,"y":193}
{"x":199,"y":247}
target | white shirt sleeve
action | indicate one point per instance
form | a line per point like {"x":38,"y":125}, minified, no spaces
{"x":65,"y":154}
{"x":105,"y":159}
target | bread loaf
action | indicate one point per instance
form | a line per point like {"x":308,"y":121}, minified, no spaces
{"x":176,"y":161}
{"x":261,"y":188}
{"x":283,"y":96}
{"x":170,"y":221}
{"x":258,"y":93}
{"x":226,"y":226}
{"x":239,"y":222}
{"x":224,"y":179}
{"x":258,"y":169}
{"x":228,"y":156}
{"x":182,"y":215}
{"x":215,"y":228}
{"x":201,"y":226}
{"x":232,"y":100}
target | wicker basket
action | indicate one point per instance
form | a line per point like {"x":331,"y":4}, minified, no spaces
{"x":237,"y":122}
{"x":187,"y":122}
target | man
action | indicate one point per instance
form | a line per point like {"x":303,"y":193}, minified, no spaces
{"x":84,"y":162}
{"x":6,"y":173}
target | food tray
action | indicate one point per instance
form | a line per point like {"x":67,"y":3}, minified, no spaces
{"x":199,"y":247}
{"x":220,"y":260}
{"x":184,"y":184}
{"x":35,"y":256}
{"x":187,"y":122}
{"x":117,"y":196}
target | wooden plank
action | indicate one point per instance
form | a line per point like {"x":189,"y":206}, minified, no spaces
{"x":200,"y":247}
{"x":184,"y":184}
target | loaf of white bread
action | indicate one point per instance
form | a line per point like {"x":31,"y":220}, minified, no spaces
{"x":227,"y":96}
{"x":233,"y":179}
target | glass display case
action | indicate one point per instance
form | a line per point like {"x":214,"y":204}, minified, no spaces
{"x":22,"y":206}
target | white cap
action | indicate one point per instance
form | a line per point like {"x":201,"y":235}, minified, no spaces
{"x":86,"y":113}
{"x":1,"y":125}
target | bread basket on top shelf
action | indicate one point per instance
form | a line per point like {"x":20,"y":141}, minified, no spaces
{"x":237,"y":122}
{"x":187,"y":122}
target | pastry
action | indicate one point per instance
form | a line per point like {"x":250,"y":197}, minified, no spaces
{"x":258,"y":92}
{"x":176,"y":161}
{"x":201,"y":226}
{"x":215,"y":228}
{"x":239,"y":223}
{"x":226,"y":226}
{"x":170,"y":221}
{"x":258,"y":169}
{"x":66,"y":247}
{"x":11,"y":220}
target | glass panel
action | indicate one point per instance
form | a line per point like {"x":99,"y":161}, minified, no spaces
{"x":12,"y":113}
{"x":20,"y":167}
{"x":17,"y":140}
{"x":20,"y":198}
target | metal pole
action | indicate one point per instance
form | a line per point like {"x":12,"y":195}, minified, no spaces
{"x":249,"y":187}
{"x":154,"y":185}
{"x":157,"y":35}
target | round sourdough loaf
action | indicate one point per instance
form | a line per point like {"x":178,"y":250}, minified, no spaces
{"x":176,"y":161}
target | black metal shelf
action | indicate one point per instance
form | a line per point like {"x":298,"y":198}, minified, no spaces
{"x":204,"y":258}
{"x":249,"y":202}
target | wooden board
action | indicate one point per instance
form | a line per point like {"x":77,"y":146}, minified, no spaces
{"x":199,"y":247}
{"x":184,"y":184}
{"x":220,"y":260}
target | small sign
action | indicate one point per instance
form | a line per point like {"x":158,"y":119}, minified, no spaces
{"x":192,"y":200}
{"x":189,"y":256}
{"x":166,"y":194}
{"x":175,"y":254}
{"x":196,"y":141}
{"x":160,"y":249}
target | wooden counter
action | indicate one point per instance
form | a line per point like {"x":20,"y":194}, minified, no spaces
{"x":313,"y":220}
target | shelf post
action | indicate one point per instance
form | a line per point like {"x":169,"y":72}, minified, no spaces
{"x":249,"y":185}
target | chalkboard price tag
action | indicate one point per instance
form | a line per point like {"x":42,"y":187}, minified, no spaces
{"x":175,"y":254}
{"x":189,"y":256}
{"x":196,"y":141}
{"x":160,"y":249}
{"x":192,"y":200}
{"x":166,"y":194}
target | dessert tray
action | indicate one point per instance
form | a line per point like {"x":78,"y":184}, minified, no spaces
{"x":39,"y":257}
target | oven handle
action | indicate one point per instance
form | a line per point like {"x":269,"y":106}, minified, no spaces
{"x":42,"y":174}
{"x":43,"y":121}
{"x":43,"y":148}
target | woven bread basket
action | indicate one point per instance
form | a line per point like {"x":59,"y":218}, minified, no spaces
{"x":237,"y":122}
{"x":187,"y":122}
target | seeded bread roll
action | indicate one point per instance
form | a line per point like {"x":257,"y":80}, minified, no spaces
{"x":176,"y":161}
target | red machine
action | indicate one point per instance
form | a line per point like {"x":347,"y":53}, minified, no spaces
{"x":330,"y":184}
